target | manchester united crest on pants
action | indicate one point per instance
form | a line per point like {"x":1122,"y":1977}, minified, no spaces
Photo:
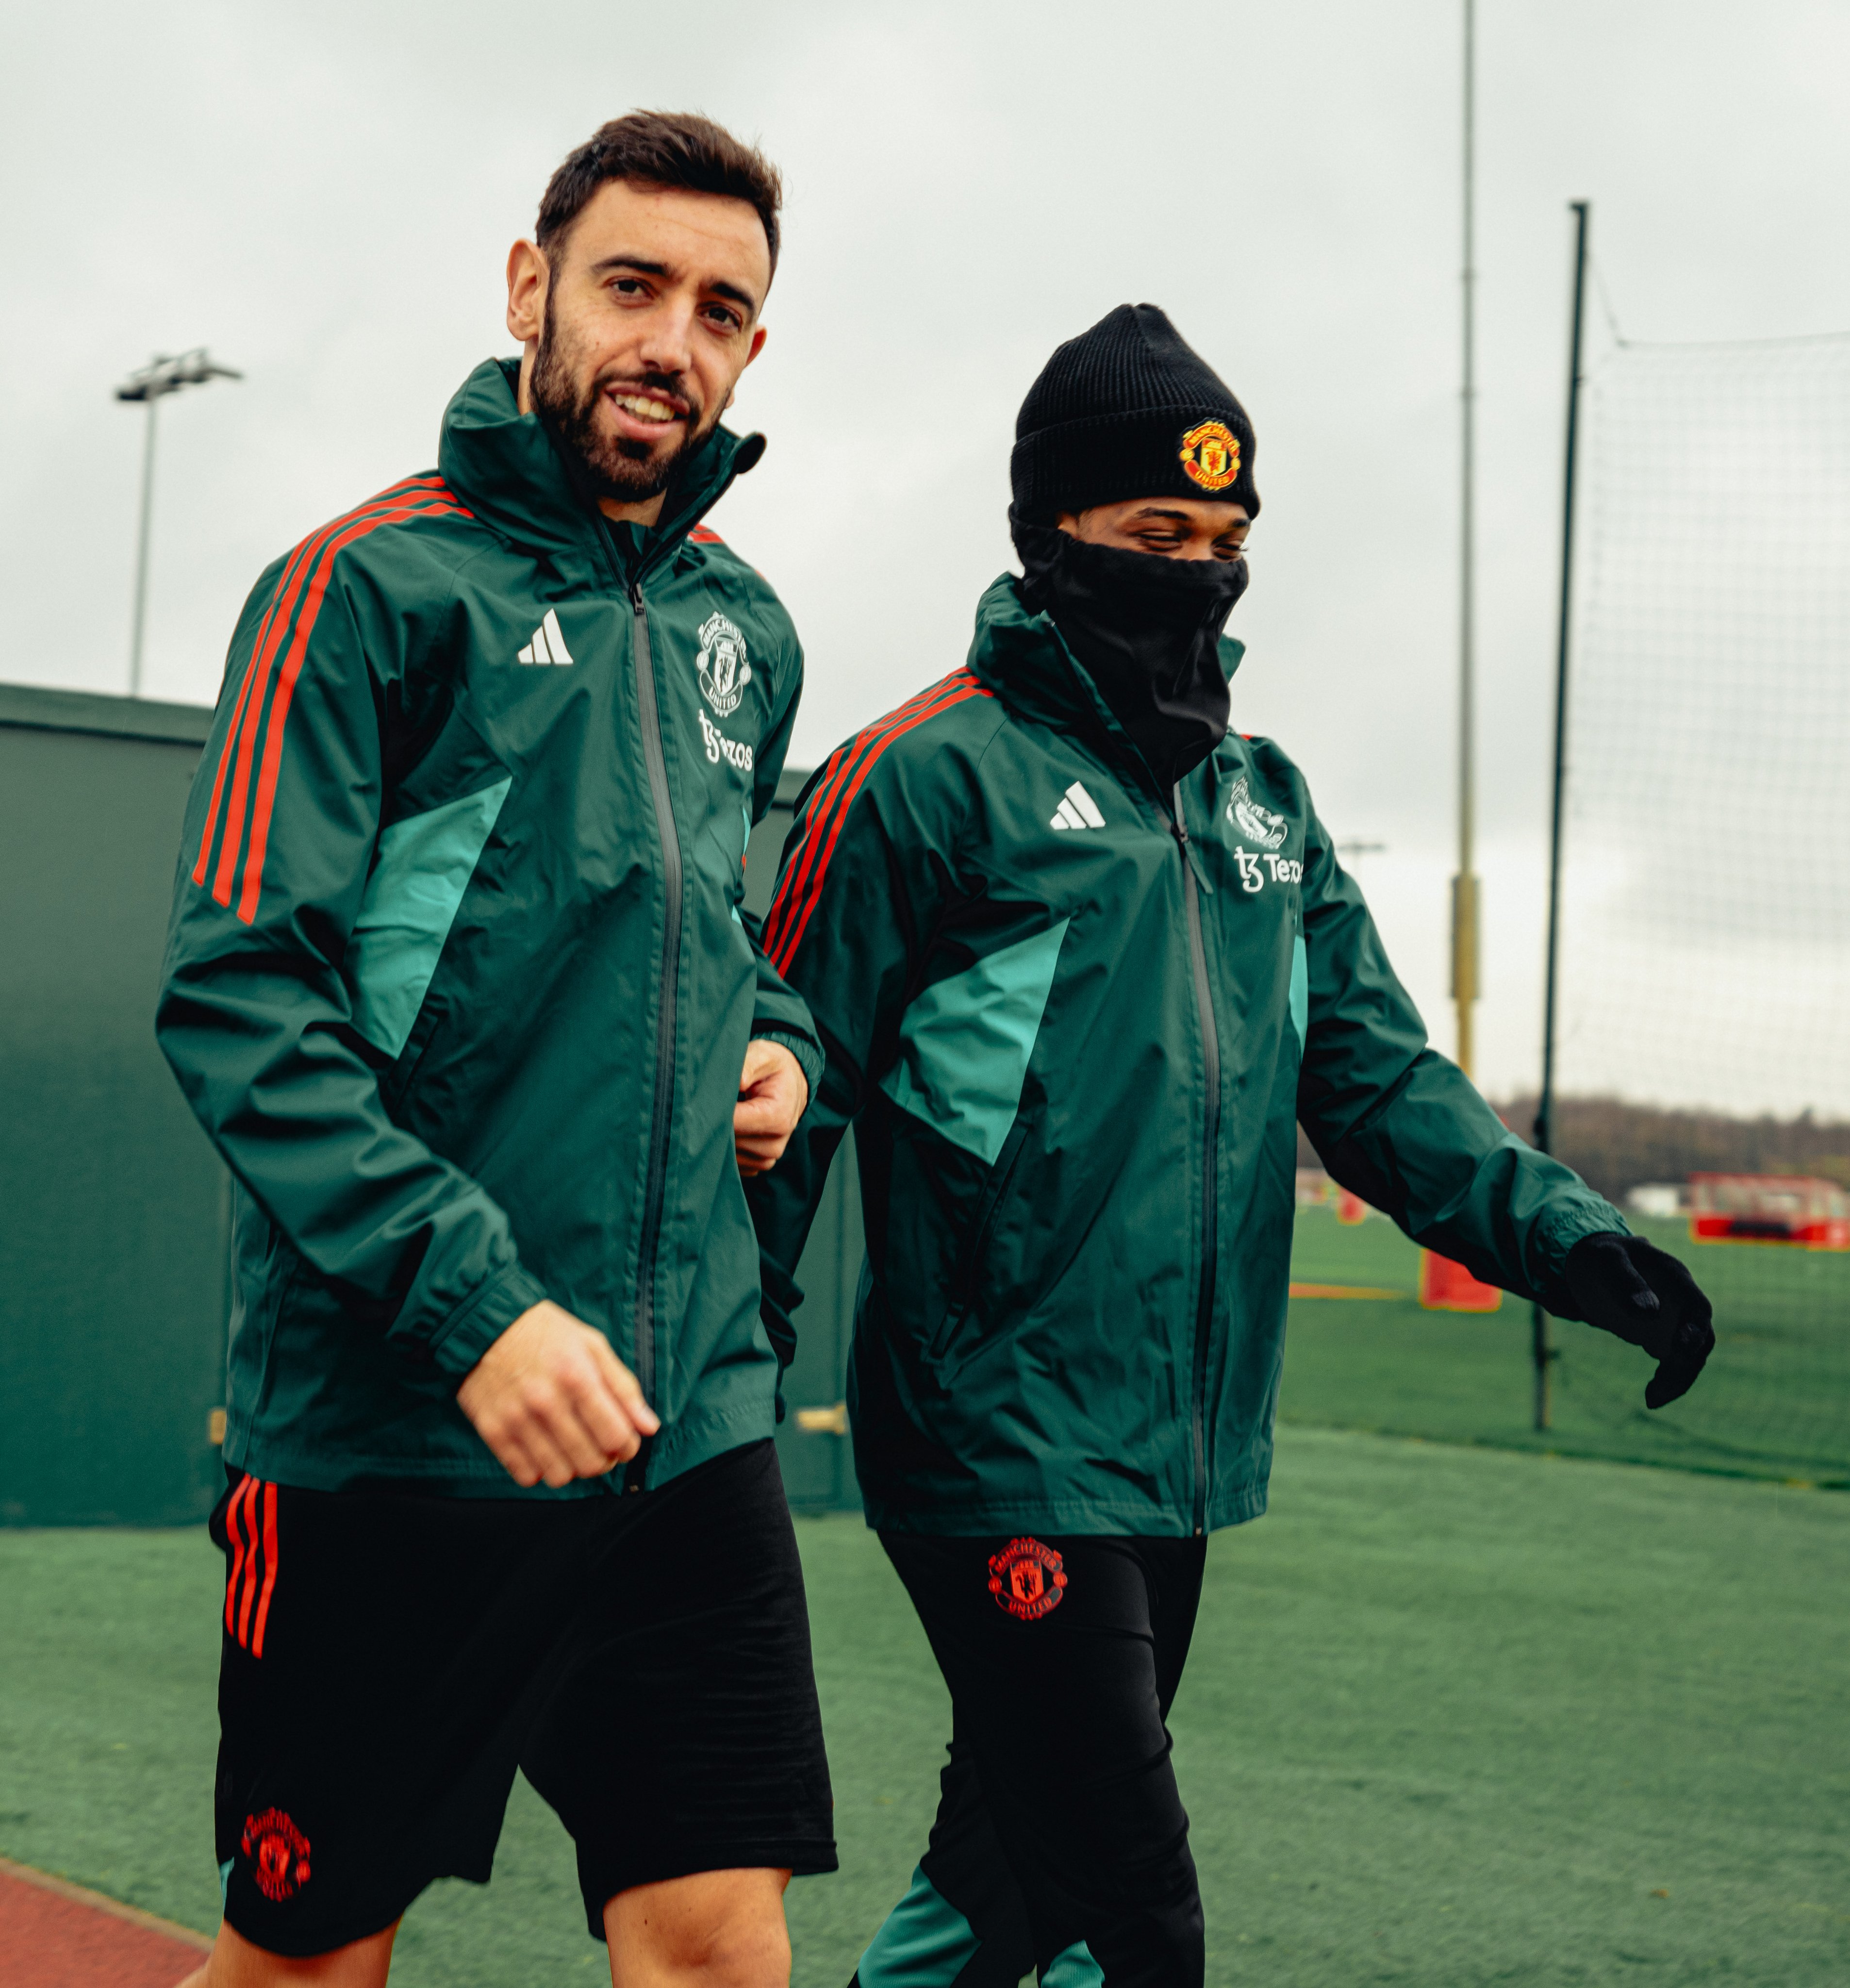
{"x":1027,"y":1579}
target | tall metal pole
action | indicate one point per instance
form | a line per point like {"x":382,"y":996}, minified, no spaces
{"x":1464,"y":885}
{"x":1543,"y":1353}
{"x":148,"y":509}
{"x":163,"y":374}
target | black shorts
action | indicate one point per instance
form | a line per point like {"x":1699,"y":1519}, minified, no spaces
{"x":1061,"y":1844}
{"x":390,"y":1660}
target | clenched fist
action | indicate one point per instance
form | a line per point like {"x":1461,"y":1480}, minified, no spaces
{"x":773,"y":1094}
{"x":553,"y":1402}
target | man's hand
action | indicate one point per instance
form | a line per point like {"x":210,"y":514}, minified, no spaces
{"x":1630,"y":1287}
{"x":773,"y":1094}
{"x":553,"y":1402}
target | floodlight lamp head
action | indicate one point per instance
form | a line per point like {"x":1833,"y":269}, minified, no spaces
{"x":168,"y":373}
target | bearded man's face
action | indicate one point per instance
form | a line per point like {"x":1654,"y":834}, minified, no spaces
{"x":649,"y":318}
{"x":585,"y":401}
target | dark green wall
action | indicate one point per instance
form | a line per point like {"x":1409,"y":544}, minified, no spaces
{"x":113,"y":1206}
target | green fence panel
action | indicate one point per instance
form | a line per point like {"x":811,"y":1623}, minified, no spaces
{"x":113,"y":1208}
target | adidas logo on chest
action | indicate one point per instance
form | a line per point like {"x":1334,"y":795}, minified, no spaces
{"x":1076,"y":810}
{"x":548,"y":644}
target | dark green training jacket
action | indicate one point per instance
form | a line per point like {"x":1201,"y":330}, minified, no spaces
{"x":1073,"y":1021}
{"x":456,"y":980}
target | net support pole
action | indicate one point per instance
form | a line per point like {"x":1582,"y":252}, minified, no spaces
{"x":1464,"y":884}
{"x":1542,"y":1351}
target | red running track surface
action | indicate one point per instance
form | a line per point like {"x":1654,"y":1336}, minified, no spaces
{"x":55,"y":1935}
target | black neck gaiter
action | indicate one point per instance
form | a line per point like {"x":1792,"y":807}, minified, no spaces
{"x":1146,"y":629}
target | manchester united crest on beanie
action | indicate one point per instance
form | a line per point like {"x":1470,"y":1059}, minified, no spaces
{"x":1129,"y":409}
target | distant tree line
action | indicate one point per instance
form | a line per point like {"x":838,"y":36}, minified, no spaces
{"x":1615,"y":1146}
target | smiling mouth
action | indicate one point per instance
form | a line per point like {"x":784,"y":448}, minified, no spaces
{"x":648,"y":408}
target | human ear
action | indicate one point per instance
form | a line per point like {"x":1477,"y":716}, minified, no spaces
{"x":528,"y":276}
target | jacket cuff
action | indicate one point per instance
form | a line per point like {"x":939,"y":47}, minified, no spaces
{"x":482,"y":1318}
{"x":1557,"y":1233}
{"x":808,"y":1055}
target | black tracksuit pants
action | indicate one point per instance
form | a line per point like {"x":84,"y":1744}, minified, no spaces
{"x":1060,"y":1844}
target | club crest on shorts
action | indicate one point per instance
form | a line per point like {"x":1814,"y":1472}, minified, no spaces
{"x":1258,"y":824}
{"x":1210,"y":454}
{"x":278,"y":1852}
{"x":724,"y":671}
{"x":1027,"y":1579}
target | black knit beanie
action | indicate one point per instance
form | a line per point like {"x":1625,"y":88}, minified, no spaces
{"x":1129,"y":409}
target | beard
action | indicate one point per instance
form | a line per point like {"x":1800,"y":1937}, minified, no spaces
{"x":612,"y":465}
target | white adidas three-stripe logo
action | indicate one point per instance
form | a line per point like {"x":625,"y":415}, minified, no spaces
{"x":548,"y":644}
{"x":1076,"y":810}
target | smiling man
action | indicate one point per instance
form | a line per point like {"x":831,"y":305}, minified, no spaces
{"x":458,"y":983}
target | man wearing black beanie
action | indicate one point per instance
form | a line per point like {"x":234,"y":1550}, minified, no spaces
{"x":1081,"y":958}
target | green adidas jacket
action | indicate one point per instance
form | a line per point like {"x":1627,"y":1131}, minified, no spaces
{"x":1073,"y":1023}
{"x":456,"y":979}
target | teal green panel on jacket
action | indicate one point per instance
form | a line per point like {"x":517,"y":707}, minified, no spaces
{"x":923,"y":1940}
{"x":1300,"y":991}
{"x":425,"y":866}
{"x":965,"y":1044}
{"x":1073,"y":1967}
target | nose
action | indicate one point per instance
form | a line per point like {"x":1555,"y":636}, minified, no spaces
{"x":668,"y":345}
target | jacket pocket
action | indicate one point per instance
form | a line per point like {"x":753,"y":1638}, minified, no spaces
{"x":970,"y":1258}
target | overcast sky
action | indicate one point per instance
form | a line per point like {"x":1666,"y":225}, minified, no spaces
{"x":325,"y":194}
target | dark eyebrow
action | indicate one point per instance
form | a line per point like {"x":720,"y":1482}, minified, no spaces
{"x":1181,"y":518}
{"x":730,"y":291}
{"x":648,"y":269}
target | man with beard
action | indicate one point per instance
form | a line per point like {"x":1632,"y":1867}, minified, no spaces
{"x":458,"y":985}
{"x":1080,"y":957}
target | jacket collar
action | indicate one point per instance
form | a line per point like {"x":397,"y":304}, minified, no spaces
{"x":506,"y":468}
{"x":1024,"y":660}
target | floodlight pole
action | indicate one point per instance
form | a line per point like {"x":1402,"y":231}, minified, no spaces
{"x":1464,"y":885}
{"x":165,"y":373}
{"x":1544,"y":1354}
{"x":141,"y":540}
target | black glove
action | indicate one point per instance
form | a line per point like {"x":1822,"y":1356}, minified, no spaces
{"x":1630,"y":1287}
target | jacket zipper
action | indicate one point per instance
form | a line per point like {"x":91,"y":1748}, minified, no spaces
{"x":662,"y":1109}
{"x":1210,"y":1197}
{"x":661,"y":1117}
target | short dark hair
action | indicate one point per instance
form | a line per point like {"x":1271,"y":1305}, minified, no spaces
{"x":662,"y":148}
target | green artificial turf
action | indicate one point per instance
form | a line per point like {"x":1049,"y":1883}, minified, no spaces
{"x":1455,"y":1717}
{"x":1773,"y":1402}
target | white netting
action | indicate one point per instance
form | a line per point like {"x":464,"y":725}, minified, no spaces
{"x":1705,"y":898}
{"x":1706,"y":930}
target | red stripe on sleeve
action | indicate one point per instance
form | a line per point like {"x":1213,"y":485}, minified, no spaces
{"x":265,"y":803}
{"x":704,"y":535}
{"x":836,"y":773}
{"x":798,"y":921}
{"x":796,"y":852}
{"x":224,"y":757}
{"x":241,"y":741}
{"x":275,"y":625}
{"x":269,"y":1567}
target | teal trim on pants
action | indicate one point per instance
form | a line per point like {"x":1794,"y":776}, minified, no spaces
{"x":923,"y":1943}
{"x":927,"y":1942}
